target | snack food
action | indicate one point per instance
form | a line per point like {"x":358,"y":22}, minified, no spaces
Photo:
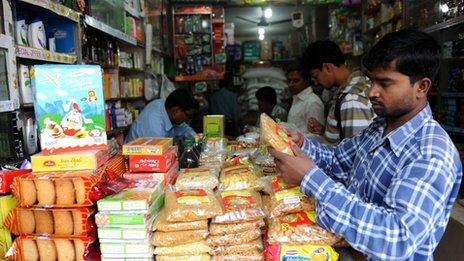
{"x":195,"y":248}
{"x":76,"y":160}
{"x":30,"y":251}
{"x":153,"y":163}
{"x":147,"y":146}
{"x":45,"y":192}
{"x":196,"y":178}
{"x":191,"y":205}
{"x":168,"y":239}
{"x":30,"y":197}
{"x":47,"y":250}
{"x":26,"y":221}
{"x":250,"y":255}
{"x":239,"y":177}
{"x":65,"y":193}
{"x":63,"y":221}
{"x":43,"y":222}
{"x":300,"y":228}
{"x":224,"y":229}
{"x":234,"y":239}
{"x":65,"y":249}
{"x":300,"y":252}
{"x":202,"y":257}
{"x":236,"y":249}
{"x":109,"y":234}
{"x":130,"y":248}
{"x":131,"y":199}
{"x":274,"y":135}
{"x":161,"y":224}
{"x":239,"y":206}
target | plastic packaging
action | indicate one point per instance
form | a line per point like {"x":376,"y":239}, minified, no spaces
{"x":202,"y":257}
{"x":196,"y":178}
{"x":191,"y":205}
{"x":300,"y":228}
{"x":239,"y":205}
{"x":59,"y":222}
{"x":161,"y":224}
{"x":236,"y":249}
{"x":300,"y":252}
{"x":239,"y":177}
{"x":274,"y":135}
{"x":250,"y":255}
{"x":195,"y":248}
{"x":169,"y":239}
{"x":224,"y":229}
{"x":235,"y":238}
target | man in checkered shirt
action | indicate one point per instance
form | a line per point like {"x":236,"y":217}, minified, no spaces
{"x":389,"y":190}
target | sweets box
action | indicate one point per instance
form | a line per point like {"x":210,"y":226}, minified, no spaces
{"x":168,"y":178}
{"x":147,"y":146}
{"x":69,"y":107}
{"x":153,"y":163}
{"x":129,"y":247}
{"x":79,"y":160}
{"x":112,"y":234}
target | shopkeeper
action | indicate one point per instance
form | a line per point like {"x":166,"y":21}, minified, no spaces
{"x":166,"y":118}
{"x":400,"y":177}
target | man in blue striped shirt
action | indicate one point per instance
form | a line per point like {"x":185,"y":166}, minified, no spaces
{"x":389,"y":190}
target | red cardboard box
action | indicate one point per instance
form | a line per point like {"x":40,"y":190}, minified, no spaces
{"x":153,"y":163}
{"x":168,"y":177}
{"x":6,"y":179}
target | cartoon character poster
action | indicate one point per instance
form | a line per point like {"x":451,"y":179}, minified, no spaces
{"x":69,"y":106}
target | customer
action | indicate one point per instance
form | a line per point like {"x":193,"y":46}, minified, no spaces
{"x":402,"y":173}
{"x":350,"y":110}
{"x":267,"y":103}
{"x":224,"y":102}
{"x":306,"y":104}
{"x":166,"y":118}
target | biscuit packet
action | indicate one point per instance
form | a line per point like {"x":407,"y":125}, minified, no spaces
{"x":239,"y":177}
{"x":239,"y":206}
{"x":300,"y":228}
{"x":169,"y":239}
{"x":51,"y":248}
{"x":236,"y":249}
{"x":274,"y":135}
{"x":191,"y":205}
{"x":162,"y":224}
{"x":196,"y":178}
{"x":224,"y":229}
{"x":277,"y":252}
{"x":57,"y":222}
{"x":195,"y":248}
{"x":234,"y":238}
{"x":250,"y":255}
{"x":201,"y":257}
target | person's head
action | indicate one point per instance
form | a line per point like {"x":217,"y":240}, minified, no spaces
{"x":267,"y":99}
{"x":181,"y":106}
{"x":298,"y":79}
{"x":402,"y":66}
{"x":323,"y":61}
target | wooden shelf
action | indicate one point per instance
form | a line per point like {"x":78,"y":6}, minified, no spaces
{"x":94,"y":23}
{"x":199,"y":78}
{"x":56,"y":8}
{"x":133,"y":12}
{"x":44,"y":55}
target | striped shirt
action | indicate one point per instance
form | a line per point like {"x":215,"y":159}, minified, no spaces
{"x":356,"y":112}
{"x":399,"y":190}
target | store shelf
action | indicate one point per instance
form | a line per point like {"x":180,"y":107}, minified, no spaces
{"x":192,"y":13}
{"x":133,"y":12}
{"x":199,"y":78}
{"x":130,"y":70}
{"x":27,"y":105}
{"x":445,"y":25}
{"x":455,"y":130}
{"x":56,"y":8}
{"x":94,"y":23}
{"x":44,"y":55}
{"x":126,"y":98}
{"x":452,"y":94}
{"x":377,"y":28}
{"x":117,"y":130}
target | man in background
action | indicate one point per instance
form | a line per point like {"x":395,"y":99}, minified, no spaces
{"x":267,"y":103}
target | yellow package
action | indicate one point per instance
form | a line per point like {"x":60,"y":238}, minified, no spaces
{"x":240,"y":177}
{"x":274,"y":135}
{"x":196,"y":178}
{"x":301,"y":252}
{"x":161,"y":224}
{"x":169,"y":239}
{"x":202,"y":257}
{"x":191,"y":205}
{"x":196,"y":248}
{"x":239,"y":206}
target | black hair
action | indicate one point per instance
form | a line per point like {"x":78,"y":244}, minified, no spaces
{"x":416,"y":54}
{"x":182,"y":98}
{"x":267,"y":94}
{"x":320,"y":52}
{"x":296,"y":66}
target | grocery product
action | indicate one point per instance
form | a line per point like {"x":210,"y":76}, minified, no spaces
{"x":213,"y":125}
{"x":249,"y":255}
{"x":147,"y":146}
{"x":196,"y":178}
{"x":234,"y":238}
{"x":191,"y":205}
{"x":5,"y":241}
{"x":274,"y":135}
{"x":127,"y":232}
{"x":239,"y":177}
{"x":69,"y":106}
{"x":128,"y":247}
{"x":195,"y":248}
{"x":131,"y":199}
{"x":168,"y":239}
{"x":299,"y":228}
{"x":300,"y":252}
{"x":256,"y":244}
{"x":153,"y":163}
{"x":239,"y":205}
{"x":230,"y":228}
{"x":202,"y":257}
{"x":59,"y":222}
{"x":168,"y":177}
{"x":7,"y":179}
{"x":78,"y":160}
{"x":161,"y":224}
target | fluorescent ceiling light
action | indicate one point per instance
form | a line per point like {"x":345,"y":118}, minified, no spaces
{"x":268,"y":12}
{"x":444,"y":8}
{"x":261,"y":37}
{"x":261,"y":30}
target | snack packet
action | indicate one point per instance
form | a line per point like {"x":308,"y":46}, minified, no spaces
{"x":235,"y":238}
{"x":239,"y":177}
{"x":223,"y":229}
{"x":191,"y":205}
{"x":169,"y":239}
{"x":196,"y":178}
{"x":195,"y":248}
{"x":239,"y":206}
{"x":277,"y":252}
{"x":161,"y":224}
{"x":274,"y":135}
{"x":202,"y":257}
{"x":250,"y":255}
{"x":236,"y":249}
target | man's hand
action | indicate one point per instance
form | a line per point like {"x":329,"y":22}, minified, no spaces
{"x":292,"y":169}
{"x":295,"y":136}
{"x":315,"y":127}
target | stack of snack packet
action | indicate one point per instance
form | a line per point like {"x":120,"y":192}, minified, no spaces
{"x":181,"y":228}
{"x":152,"y":159}
{"x":123,"y":221}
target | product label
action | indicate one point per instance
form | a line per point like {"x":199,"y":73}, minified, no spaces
{"x":307,"y":253}
{"x":296,"y":219}
{"x":242,"y":170}
{"x":278,"y":184}
{"x":192,"y":197}
{"x":134,"y":234}
{"x":290,"y":194}
{"x":109,"y":233}
{"x":126,"y":219}
{"x":234,"y":199}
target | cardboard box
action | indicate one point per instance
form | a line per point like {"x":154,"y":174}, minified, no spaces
{"x":131,"y":199}
{"x":151,"y":163}
{"x":7,"y":177}
{"x":147,"y":146}
{"x":213,"y":126}
{"x":69,"y":107}
{"x":168,"y":178}
{"x":79,"y":160}
{"x":107,"y":234}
